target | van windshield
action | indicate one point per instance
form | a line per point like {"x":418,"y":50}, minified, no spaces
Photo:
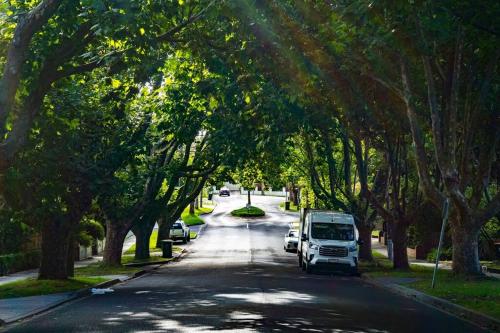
{"x":176,"y":226}
{"x":333,"y":231}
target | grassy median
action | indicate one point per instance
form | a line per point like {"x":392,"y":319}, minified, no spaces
{"x":248,"y":212}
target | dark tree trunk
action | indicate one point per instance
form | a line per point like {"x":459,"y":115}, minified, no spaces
{"x":465,"y":248}
{"x":73,"y":247}
{"x":295,"y":198}
{"x":365,"y":249}
{"x":142,"y":234}
{"x":248,"y":194}
{"x":399,"y":241}
{"x":163,"y":231}
{"x":191,"y":208}
{"x":115,"y":236}
{"x":55,"y":249}
{"x":201,"y":199}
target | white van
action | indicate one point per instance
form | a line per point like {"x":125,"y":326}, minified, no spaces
{"x":327,"y":239}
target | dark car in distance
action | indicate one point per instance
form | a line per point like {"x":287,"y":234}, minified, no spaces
{"x":224,"y":192}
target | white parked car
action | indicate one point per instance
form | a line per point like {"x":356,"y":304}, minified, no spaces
{"x":180,"y":231}
{"x":291,"y":240}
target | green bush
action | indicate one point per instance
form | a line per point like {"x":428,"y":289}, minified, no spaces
{"x":13,"y":233}
{"x":248,"y":212}
{"x":446,"y":254}
{"x":10,"y":263}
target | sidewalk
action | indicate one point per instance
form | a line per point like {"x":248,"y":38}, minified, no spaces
{"x":13,"y":309}
{"x":382,"y":249}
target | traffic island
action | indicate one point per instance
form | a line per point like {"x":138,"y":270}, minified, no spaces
{"x":250,"y":211}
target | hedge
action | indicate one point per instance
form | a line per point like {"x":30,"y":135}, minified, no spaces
{"x":15,"y":262}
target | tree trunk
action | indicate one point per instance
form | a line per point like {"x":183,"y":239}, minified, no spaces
{"x":191,"y":208}
{"x":295,"y":198}
{"x":115,"y":236}
{"x":55,"y":249}
{"x":365,"y":249}
{"x":73,"y":247}
{"x":399,"y":240}
{"x":163,"y":231}
{"x":201,"y":199}
{"x":142,"y":234}
{"x":465,"y":249}
{"x":249,"y":202}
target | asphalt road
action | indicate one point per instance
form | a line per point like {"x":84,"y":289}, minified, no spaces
{"x":237,"y":277}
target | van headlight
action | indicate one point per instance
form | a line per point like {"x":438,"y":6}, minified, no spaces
{"x":313,"y":246}
{"x":353,"y":248}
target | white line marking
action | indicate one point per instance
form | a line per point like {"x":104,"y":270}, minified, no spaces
{"x":247,"y":226}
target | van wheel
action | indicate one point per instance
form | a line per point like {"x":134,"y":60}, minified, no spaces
{"x":309,"y":268}
{"x":184,"y":241}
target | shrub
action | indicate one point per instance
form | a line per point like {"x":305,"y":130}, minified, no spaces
{"x":13,"y":233}
{"x":446,"y":254}
{"x":11,"y":263}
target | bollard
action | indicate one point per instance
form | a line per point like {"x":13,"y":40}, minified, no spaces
{"x":166,"y":247}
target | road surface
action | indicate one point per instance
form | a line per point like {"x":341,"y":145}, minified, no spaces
{"x":237,"y":278}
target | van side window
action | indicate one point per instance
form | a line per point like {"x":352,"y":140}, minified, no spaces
{"x":306,"y":225}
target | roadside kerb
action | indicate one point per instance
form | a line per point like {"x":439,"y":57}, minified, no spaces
{"x":479,"y":319}
{"x":88,"y":291}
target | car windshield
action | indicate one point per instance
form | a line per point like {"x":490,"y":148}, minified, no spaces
{"x":333,"y":231}
{"x":176,"y":226}
{"x":293,"y":234}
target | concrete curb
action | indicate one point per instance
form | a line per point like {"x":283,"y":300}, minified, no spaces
{"x":87,"y":291}
{"x":479,"y":319}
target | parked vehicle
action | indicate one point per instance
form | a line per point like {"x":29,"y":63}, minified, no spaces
{"x":180,"y":231}
{"x":291,"y":240}
{"x":224,"y":192}
{"x":327,"y":239}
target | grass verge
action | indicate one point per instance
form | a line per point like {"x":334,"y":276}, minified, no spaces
{"x":195,"y":219}
{"x":293,"y":208}
{"x":193,"y":235}
{"x":97,"y":269}
{"x":248,"y":212}
{"x":152,"y":243}
{"x":478,"y":294}
{"x":34,"y":287}
{"x":155,"y":257}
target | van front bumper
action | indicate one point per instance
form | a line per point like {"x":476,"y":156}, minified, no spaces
{"x":347,"y":262}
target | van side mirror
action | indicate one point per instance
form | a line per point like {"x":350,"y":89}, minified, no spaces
{"x":303,"y":238}
{"x":360,"y":242}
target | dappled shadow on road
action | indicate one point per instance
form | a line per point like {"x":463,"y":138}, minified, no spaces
{"x":241,"y":298}
{"x":193,"y":302}
{"x":244,"y":309}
